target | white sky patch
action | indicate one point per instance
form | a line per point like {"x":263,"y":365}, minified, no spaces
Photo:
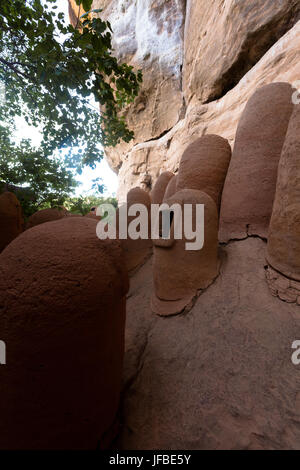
{"x":109,"y":179}
{"x":24,"y":131}
{"x":102,"y":170}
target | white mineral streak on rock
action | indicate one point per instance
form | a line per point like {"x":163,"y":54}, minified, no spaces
{"x":160,"y":36}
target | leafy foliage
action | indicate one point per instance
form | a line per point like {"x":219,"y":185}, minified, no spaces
{"x":47,"y":180}
{"x":50,"y":72}
{"x":50,"y":82}
{"x":83,"y":204}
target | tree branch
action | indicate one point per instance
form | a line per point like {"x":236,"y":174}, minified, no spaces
{"x":11,"y":66}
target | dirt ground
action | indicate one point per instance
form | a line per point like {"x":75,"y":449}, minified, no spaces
{"x":219,"y":376}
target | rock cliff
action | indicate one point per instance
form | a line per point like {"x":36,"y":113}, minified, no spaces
{"x":201,"y":63}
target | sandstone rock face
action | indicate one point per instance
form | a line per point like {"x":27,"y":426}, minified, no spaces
{"x":224,"y":40}
{"x":204,"y":166}
{"x":74,"y":12}
{"x":284,"y":233}
{"x":180,"y":271}
{"x":220,"y":377}
{"x":11,"y":219}
{"x":250,"y":185}
{"x":158,"y":192}
{"x":62,"y":317}
{"x":149,"y":34}
{"x":45,"y":215}
{"x":201,"y":62}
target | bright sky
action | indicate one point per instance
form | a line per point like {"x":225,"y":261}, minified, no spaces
{"x":109,"y":178}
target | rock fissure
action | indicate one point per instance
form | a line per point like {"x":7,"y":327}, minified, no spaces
{"x":234,"y":240}
{"x":253,"y":49}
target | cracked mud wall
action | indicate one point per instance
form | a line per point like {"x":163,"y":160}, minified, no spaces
{"x":201,"y":63}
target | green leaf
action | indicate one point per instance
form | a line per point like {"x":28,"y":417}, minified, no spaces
{"x":87,"y":4}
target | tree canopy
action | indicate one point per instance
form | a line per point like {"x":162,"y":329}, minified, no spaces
{"x":83,"y":204}
{"x":50,"y":72}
